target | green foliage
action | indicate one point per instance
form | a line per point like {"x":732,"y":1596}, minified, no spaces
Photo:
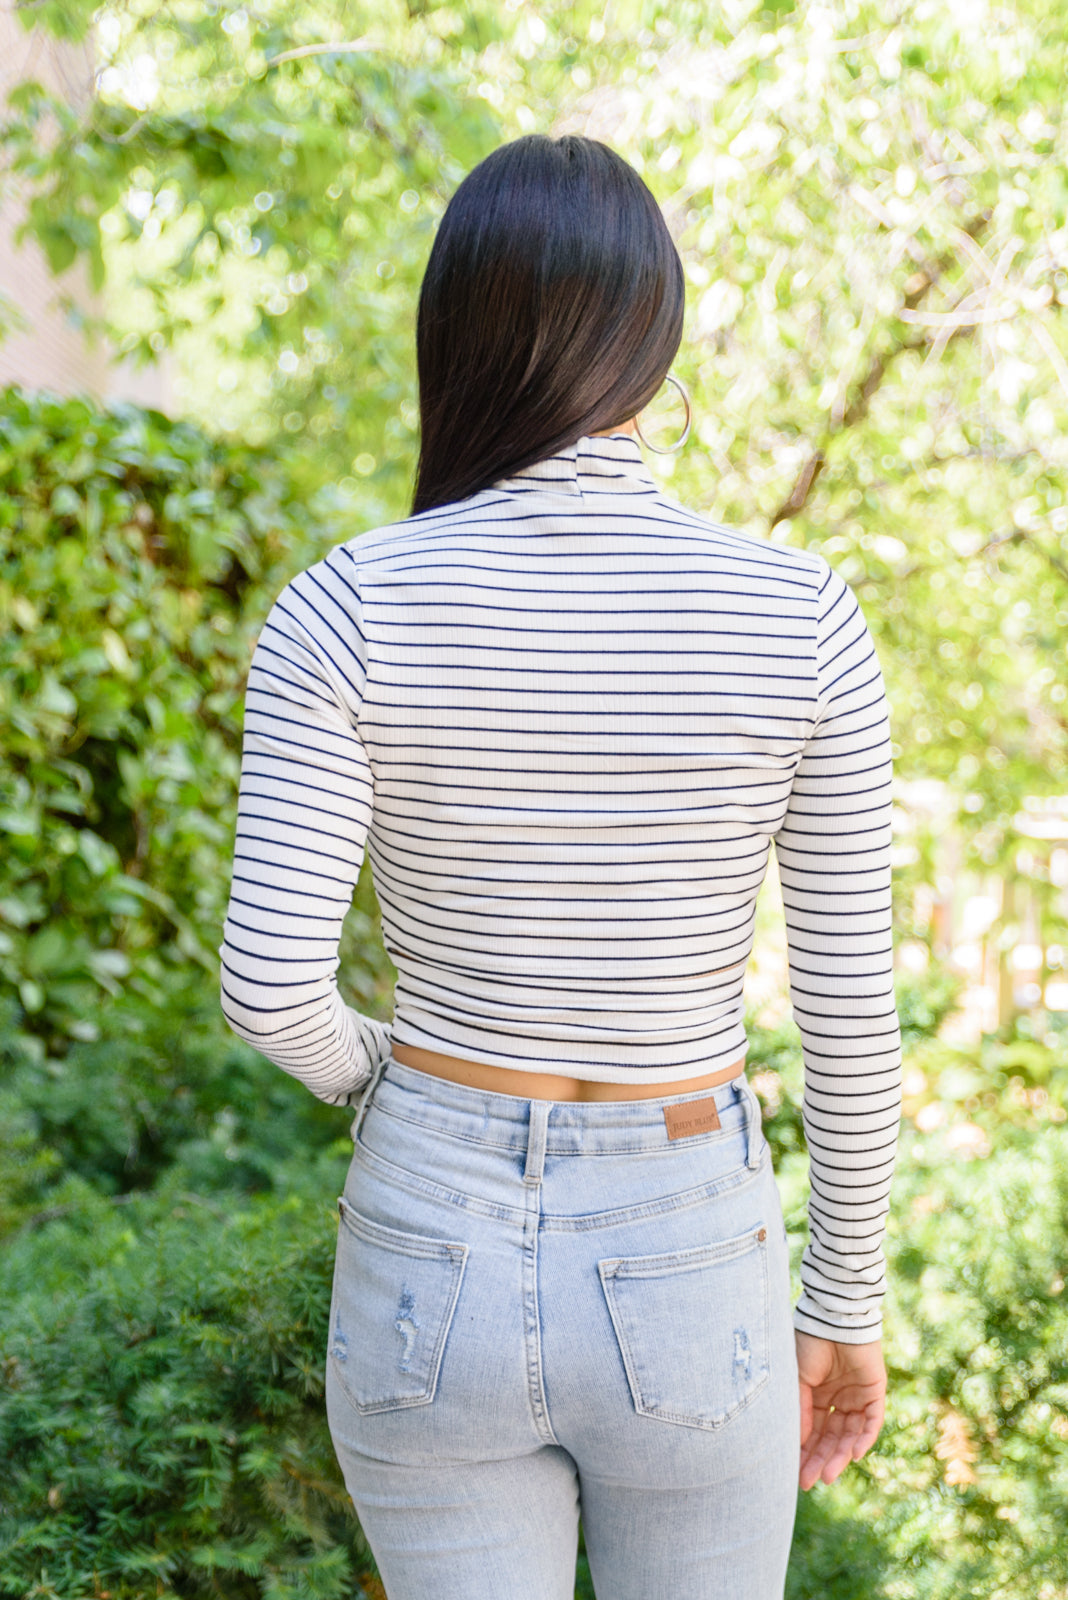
{"x":969,"y":1095}
{"x":161,"y":1419}
{"x":182,"y":1449}
{"x":276,"y":209}
{"x":969,"y":1475}
{"x":924,"y":1003}
{"x":1019,"y":1079}
{"x":872,"y":219}
{"x":163,"y":1087}
{"x":137,"y":560}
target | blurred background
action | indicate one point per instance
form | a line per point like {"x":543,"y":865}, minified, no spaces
{"x":213,"y":222}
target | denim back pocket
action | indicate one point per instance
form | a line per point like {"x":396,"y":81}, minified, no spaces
{"x":692,"y":1328}
{"x":393,"y":1301}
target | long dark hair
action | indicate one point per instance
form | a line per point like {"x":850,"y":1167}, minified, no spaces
{"x":551,"y":308}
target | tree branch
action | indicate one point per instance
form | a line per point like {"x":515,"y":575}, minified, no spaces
{"x":1047,"y":555}
{"x":917,"y":287}
{"x":351,"y":47}
{"x":801,"y":490}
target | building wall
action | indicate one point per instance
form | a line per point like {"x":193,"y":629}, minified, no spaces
{"x":41,"y":346}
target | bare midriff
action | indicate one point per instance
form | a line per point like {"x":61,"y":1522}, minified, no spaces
{"x":549,"y":1085}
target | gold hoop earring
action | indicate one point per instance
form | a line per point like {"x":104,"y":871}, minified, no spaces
{"x":669,"y":450}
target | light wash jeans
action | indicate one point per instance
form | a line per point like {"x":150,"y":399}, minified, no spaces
{"x":543,"y":1309}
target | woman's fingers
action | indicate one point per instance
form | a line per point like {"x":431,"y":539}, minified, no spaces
{"x":842,"y":1445}
{"x":834,"y":1439}
{"x":806,"y":1411}
{"x":873,"y":1421}
{"x":821,"y":1446}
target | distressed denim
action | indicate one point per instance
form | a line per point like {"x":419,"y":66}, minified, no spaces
{"x":544,"y":1309}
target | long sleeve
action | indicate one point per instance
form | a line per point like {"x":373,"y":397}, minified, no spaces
{"x":303,"y":813}
{"x":833,"y":851}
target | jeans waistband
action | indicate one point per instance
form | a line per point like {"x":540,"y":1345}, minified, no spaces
{"x":557,"y":1127}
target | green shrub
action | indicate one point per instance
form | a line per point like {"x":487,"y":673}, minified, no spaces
{"x":162,"y":1421}
{"x":138,"y":558}
{"x":964,"y":1493}
{"x":163,"y":1088}
{"x":973,"y":1470}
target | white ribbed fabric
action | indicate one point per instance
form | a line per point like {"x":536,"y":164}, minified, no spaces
{"x":567,"y":717}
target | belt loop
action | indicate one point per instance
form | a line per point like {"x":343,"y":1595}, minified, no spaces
{"x":754,"y":1123}
{"x":537,"y":1129}
{"x":361,"y":1105}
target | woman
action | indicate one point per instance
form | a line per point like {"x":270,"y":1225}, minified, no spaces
{"x":567,"y":716}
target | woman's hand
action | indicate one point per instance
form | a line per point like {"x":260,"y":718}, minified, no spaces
{"x":843,"y":1399}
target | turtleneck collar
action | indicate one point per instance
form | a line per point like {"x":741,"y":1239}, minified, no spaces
{"x":608,"y":464}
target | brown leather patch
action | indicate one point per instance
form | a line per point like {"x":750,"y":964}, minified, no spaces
{"x":691,"y":1116}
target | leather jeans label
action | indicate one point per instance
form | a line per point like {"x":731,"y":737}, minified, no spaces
{"x":692,"y":1116}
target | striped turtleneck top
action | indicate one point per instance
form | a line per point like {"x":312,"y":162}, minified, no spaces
{"x":566,"y":718}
